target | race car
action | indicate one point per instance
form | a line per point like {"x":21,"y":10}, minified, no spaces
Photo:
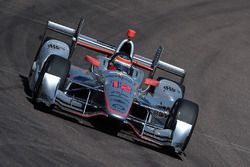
{"x":115,"y":86}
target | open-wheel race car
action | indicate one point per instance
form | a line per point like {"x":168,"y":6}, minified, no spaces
{"x":114,"y":86}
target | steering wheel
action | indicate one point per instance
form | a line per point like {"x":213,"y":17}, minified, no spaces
{"x":123,"y":55}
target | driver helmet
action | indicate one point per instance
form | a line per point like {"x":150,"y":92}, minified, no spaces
{"x":122,"y":63}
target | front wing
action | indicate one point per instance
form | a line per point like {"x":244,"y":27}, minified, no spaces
{"x":140,"y":124}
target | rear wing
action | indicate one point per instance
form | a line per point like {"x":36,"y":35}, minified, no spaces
{"x":99,"y":46}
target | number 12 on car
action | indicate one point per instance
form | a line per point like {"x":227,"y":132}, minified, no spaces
{"x":121,"y":85}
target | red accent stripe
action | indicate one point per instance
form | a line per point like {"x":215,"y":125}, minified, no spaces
{"x":95,"y":48}
{"x":142,"y":66}
{"x":87,"y":115}
{"x":123,"y":60}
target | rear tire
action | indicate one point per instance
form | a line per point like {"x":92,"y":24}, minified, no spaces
{"x":57,"y":66}
{"x":187,"y":112}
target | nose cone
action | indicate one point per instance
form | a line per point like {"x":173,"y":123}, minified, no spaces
{"x":118,"y":90}
{"x":131,"y":33}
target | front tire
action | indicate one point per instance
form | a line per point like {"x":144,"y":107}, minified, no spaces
{"x":187,"y":112}
{"x":55,"y":65}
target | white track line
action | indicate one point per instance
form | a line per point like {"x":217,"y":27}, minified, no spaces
{"x":7,"y":70}
{"x":225,"y":143}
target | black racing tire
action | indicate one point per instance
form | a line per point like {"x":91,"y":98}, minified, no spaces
{"x":187,"y":112}
{"x":57,"y":66}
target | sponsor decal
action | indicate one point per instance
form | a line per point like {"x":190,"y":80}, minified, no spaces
{"x":163,"y":114}
{"x":118,"y":107}
{"x":169,"y":88}
{"x":54,"y":46}
{"x":122,"y":86}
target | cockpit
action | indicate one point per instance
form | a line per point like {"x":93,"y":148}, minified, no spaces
{"x":122,"y":59}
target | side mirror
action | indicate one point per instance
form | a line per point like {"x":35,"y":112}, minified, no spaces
{"x":151,"y":82}
{"x":93,"y":61}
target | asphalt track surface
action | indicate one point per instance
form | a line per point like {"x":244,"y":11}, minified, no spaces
{"x":210,"y":39}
